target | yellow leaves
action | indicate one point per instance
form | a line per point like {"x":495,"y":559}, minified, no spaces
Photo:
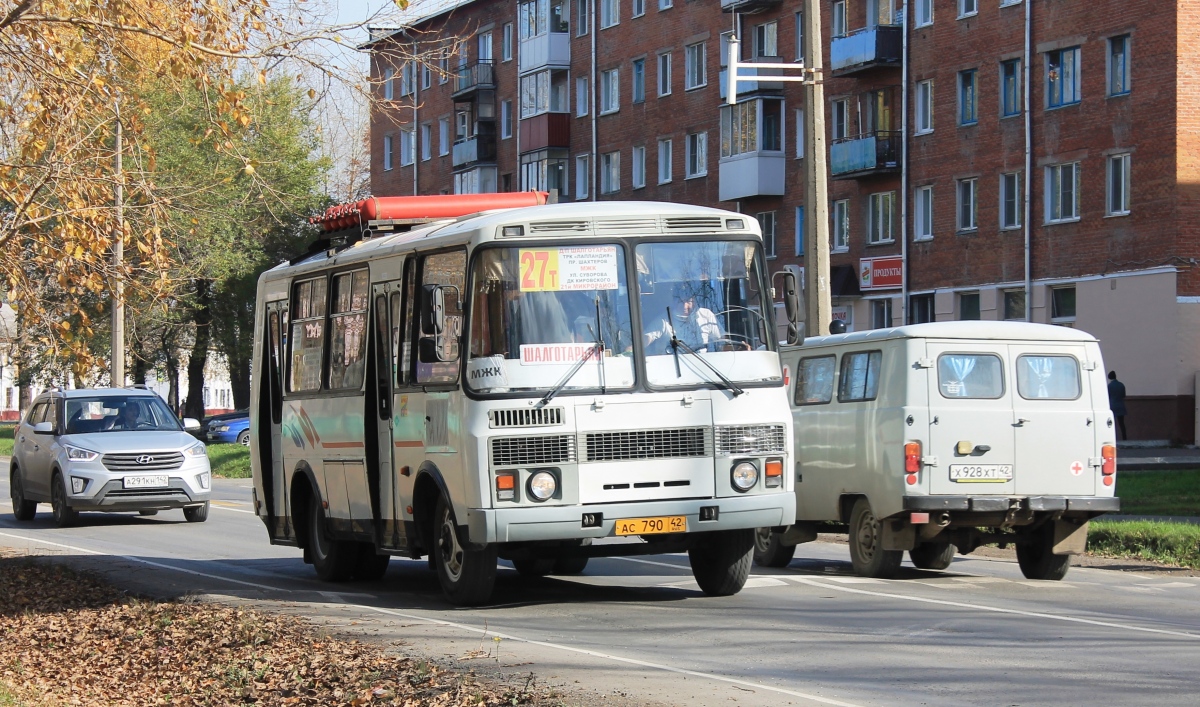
{"x":262,"y":78}
{"x":312,"y":93}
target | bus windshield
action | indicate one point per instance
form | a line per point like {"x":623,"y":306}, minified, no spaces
{"x":536,"y":312}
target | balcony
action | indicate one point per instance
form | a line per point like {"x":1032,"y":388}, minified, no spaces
{"x":866,"y":49}
{"x":480,"y":148}
{"x":748,"y":7}
{"x":545,"y":130}
{"x":472,"y":78}
{"x":873,"y":153}
{"x":751,"y":174}
{"x":551,"y":50}
{"x":753,"y":79}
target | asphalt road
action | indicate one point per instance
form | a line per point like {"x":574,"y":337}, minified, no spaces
{"x":639,"y":630}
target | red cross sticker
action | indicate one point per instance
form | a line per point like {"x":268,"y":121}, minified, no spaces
{"x":1076,"y":468}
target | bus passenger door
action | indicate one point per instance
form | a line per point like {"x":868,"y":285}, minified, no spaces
{"x":270,"y":441}
{"x":407,"y":438}
{"x":380,"y":400}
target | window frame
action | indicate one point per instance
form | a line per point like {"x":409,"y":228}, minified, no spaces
{"x":1053,"y":194}
{"x":443,"y":136}
{"x":389,"y":91}
{"x":610,"y":172}
{"x":582,"y":176}
{"x":506,"y":42}
{"x":1055,"y":316}
{"x":839,"y":129}
{"x":582,"y":8}
{"x":1013,"y":109}
{"x":875,"y":212}
{"x":796,"y":401}
{"x":506,"y":119}
{"x":968,"y":97}
{"x":610,"y":91}
{"x":884,"y":304}
{"x":332,"y":315}
{"x":610,"y":14}
{"x":842,"y":378}
{"x":1060,"y":99}
{"x":963,"y":12}
{"x":767,"y":222}
{"x":690,"y":159}
{"x":582,"y":91}
{"x":1126,"y":72}
{"x":923,"y":213}
{"x":937,"y":366}
{"x":1016,"y":197}
{"x":1125,"y":161}
{"x":978,"y":306}
{"x":973,"y":184}
{"x":1004,"y":299}
{"x":922,"y":19}
{"x":638,"y":9}
{"x":665,"y":146}
{"x":1078,"y":375}
{"x":389,"y":153}
{"x":663,"y":75}
{"x":923,"y":107}
{"x":841,"y":226}
{"x":638,"y":167}
{"x":637,"y":79}
{"x":693,"y":64}
{"x":426,"y":142}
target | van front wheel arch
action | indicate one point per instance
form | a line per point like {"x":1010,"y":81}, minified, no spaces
{"x":867,"y":555}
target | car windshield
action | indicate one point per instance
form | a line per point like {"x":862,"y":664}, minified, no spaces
{"x":119,"y":413}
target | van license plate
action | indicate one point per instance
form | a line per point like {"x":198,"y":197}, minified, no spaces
{"x":652,"y":526}
{"x":981,"y":473}
{"x":145,"y":482}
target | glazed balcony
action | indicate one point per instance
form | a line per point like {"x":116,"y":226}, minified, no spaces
{"x":881,"y":46}
{"x":873,"y":153}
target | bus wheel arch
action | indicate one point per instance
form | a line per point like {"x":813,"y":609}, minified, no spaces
{"x":428,"y":487}
{"x":303,"y":492}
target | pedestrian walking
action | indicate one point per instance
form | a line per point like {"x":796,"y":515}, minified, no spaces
{"x":1116,"y":401}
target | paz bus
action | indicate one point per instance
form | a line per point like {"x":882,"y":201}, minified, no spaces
{"x":474,"y":377}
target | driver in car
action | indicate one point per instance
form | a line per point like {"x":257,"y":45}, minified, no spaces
{"x":694,"y":325}
{"x":128,"y":419}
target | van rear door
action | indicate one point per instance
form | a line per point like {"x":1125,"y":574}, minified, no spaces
{"x":1053,"y":420}
{"x":970,"y":420}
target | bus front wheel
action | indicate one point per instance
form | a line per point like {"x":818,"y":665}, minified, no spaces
{"x":721,"y":561}
{"x":334,"y":560}
{"x":466,"y":575}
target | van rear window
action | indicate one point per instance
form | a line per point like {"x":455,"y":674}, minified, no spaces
{"x":814,"y":380}
{"x":1044,"y":377}
{"x":860,"y":376}
{"x":963,"y":375}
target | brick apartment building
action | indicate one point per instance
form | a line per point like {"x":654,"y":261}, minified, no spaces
{"x":991,"y":159}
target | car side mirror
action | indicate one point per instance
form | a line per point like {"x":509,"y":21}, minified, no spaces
{"x":43,"y":428}
{"x":191,"y":424}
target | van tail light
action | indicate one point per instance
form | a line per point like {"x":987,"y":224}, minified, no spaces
{"x":774,"y":475}
{"x":1108,"y":465}
{"x":912,"y":462}
{"x":506,"y":486}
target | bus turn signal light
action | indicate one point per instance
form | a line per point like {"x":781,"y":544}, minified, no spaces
{"x":912,"y":457}
{"x":506,"y":486}
{"x":774,"y":478}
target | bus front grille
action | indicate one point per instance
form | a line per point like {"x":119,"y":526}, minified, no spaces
{"x":646,"y":444}
{"x":750,"y":439}
{"x":525,"y":417}
{"x":532,"y":451}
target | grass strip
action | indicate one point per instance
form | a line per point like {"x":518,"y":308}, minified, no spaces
{"x":1169,"y":543}
{"x":7,"y":432}
{"x":231,"y":461}
{"x":1160,"y":493}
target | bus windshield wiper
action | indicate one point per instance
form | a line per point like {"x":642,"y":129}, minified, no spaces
{"x":562,"y":382}
{"x":677,"y":343}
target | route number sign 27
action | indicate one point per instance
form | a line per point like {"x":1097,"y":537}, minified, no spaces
{"x":574,"y":268}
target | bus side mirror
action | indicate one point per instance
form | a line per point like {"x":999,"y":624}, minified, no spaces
{"x":433,"y":310}
{"x":793,"y":305}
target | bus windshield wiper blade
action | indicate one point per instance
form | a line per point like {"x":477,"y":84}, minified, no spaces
{"x":729,"y":385}
{"x":562,"y":383}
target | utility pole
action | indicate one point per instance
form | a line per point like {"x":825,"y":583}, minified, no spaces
{"x":117,"y":368}
{"x":817,"y":307}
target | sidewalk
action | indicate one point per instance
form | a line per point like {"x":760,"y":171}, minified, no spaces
{"x":1156,"y":458}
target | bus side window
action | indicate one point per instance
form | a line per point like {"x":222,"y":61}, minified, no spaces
{"x":402,"y":309}
{"x":348,"y":328}
{"x":307,"y":337}
{"x":276,"y":380}
{"x":447,"y":270}
{"x":383,"y":357}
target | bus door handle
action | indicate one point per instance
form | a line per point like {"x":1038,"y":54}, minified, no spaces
{"x":1021,"y":422}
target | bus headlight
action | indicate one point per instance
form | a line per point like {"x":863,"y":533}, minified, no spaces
{"x":744,"y":476}
{"x":542,"y":486}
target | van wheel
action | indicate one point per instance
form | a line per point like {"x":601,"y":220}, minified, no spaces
{"x":334,"y":560}
{"x":721,"y":560}
{"x":196,"y":514}
{"x":933,"y":555}
{"x":22,"y":509}
{"x":533,"y":568}
{"x":769,"y":551}
{"x":1035,"y":556}
{"x":370,"y":566}
{"x":570,"y":565}
{"x":467,"y":576}
{"x":64,"y":515}
{"x":867,"y":555}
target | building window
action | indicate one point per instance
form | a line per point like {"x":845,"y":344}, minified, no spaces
{"x":639,"y":80}
{"x":408,"y":140}
{"x":408,"y":79}
{"x":1062,"y":192}
{"x":696,"y":154}
{"x":544,"y":91}
{"x":695,"y":72}
{"x":841,"y":225}
{"x":766,"y":39}
{"x":967,"y":192}
{"x":752,"y":126}
{"x":966,"y":8}
{"x":841,"y":118}
{"x":443,"y":136}
{"x":968,"y":306}
{"x":924,"y":12}
{"x":1014,"y":304}
{"x":766,"y":221}
{"x":609,"y":91}
{"x":923,"y":214}
{"x":387,"y":152}
{"x":881,"y":313}
{"x":799,"y":132}
{"x":610,"y":172}
{"x":665,"y":5}
{"x":924,"y":107}
{"x":388,"y":90}
{"x":838,"y":26}
{"x":639,"y":167}
{"x":582,"y":172}
{"x":799,"y":231}
{"x":545,"y":170}
{"x":880,"y":216}
{"x":443,"y":69}
{"x":462,"y":124}
{"x":1010,"y":88}
{"x":968,"y":98}
{"x":1118,"y":65}
{"x":639,"y":8}
{"x":426,"y":142}
{"x":664,"y":74}
{"x":1010,"y":200}
{"x":664,"y":161}
{"x":581,"y":96}
{"x":609,"y":13}
{"x":1062,"y":77}
{"x":800,"y":36}
{"x":581,"y":17}
{"x":1062,"y":304}
{"x":485,"y":48}
{"x":1118,"y":185}
{"x":506,"y":120}
{"x":426,"y":76}
{"x":506,"y":43}
{"x":920,"y":309}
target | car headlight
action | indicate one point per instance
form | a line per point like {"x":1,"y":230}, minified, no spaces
{"x":76,"y":454}
{"x":744,"y":476}
{"x":542,"y":486}
{"x":196,"y":450}
{"x":221,"y":428}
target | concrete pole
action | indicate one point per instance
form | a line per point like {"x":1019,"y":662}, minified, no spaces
{"x":117,"y":370}
{"x":817,"y":307}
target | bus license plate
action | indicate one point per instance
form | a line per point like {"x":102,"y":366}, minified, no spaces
{"x":981,"y":473}
{"x":145,"y":482}
{"x":652,"y":526}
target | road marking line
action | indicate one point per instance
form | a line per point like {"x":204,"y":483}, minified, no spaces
{"x":994,"y":609}
{"x":651,"y":562}
{"x":223,"y":507}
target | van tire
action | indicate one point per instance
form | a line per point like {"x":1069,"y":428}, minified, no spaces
{"x":932,"y":555}
{"x":534,"y":568}
{"x":466,"y":575}
{"x":1036,"y":559}
{"x":769,"y":551}
{"x":370,"y":566}
{"x":334,"y":560}
{"x":721,"y":560}
{"x":867,"y":555}
{"x":570,"y":565}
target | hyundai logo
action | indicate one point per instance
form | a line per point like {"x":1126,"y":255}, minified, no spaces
{"x":144,"y":459}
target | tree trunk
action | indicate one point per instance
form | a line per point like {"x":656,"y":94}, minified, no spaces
{"x":140,"y":364}
{"x":239,"y":380}
{"x":202,"y":317}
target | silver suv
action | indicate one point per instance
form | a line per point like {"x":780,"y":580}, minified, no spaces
{"x":107,"y":449}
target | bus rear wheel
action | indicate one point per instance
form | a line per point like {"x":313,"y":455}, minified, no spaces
{"x":334,"y":560}
{"x":466,"y":575}
{"x":370,"y":565}
{"x":721,"y":561}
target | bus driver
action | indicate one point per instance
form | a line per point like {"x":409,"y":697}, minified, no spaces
{"x":695,"y":326}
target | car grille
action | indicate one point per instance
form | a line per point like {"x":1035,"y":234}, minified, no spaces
{"x":750,"y":439}
{"x":161,"y":461}
{"x":532,"y":451}
{"x":647,"y":444}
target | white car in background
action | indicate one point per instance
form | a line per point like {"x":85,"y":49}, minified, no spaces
{"x":107,"y":449}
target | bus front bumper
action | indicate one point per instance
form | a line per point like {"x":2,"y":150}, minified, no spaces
{"x":526,"y":524}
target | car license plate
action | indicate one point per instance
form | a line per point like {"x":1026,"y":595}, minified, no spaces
{"x":981,"y":473}
{"x":145,"y":482}
{"x":652,"y":526}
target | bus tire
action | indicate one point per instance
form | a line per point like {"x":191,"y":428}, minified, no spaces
{"x":533,"y":568}
{"x":467,"y":576}
{"x":370,"y":566}
{"x":1036,"y":559}
{"x":334,"y":560}
{"x":932,"y":555}
{"x":769,"y":551}
{"x":570,"y":565}
{"x":721,"y":561}
{"x":867,"y":555}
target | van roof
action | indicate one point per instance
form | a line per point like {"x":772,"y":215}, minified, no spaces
{"x":1021,"y":331}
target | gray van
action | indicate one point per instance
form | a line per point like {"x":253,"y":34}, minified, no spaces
{"x":939,"y":437}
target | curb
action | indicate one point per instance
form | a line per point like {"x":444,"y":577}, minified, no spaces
{"x":1158,"y":464}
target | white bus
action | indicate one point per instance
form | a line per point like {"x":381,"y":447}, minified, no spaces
{"x":517,"y":384}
